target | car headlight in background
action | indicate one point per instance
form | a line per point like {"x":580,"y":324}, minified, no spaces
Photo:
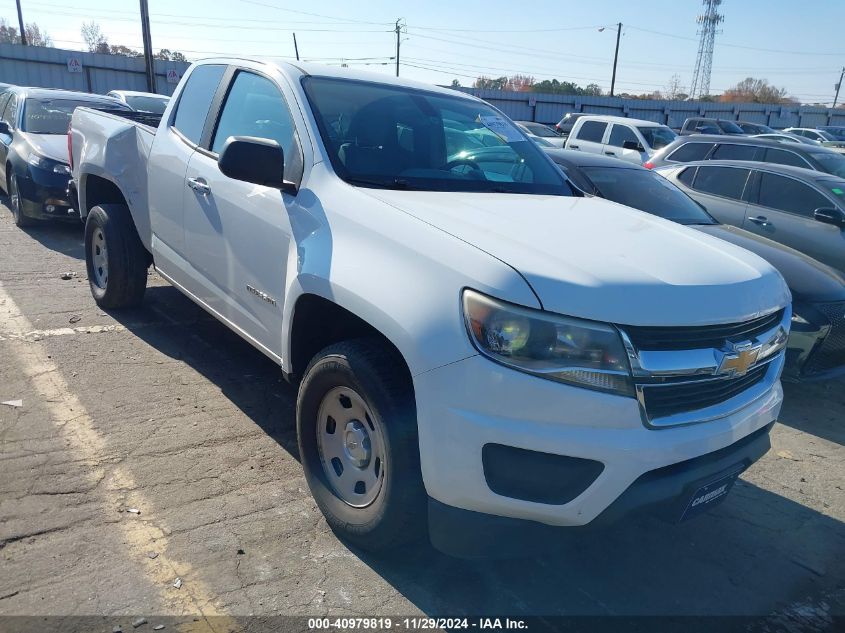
{"x":46,"y":163}
{"x":565,"y":349}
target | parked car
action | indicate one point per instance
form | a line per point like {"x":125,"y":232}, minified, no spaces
{"x":786,"y":137}
{"x":548,"y":134}
{"x":801,"y":208}
{"x":754,"y":128}
{"x":837,"y":131}
{"x":34,"y":169}
{"x":826,"y":139}
{"x":687,"y":149}
{"x":634,"y":140}
{"x":564,"y":126}
{"x":699,"y":125}
{"x":142,"y":101}
{"x":816,"y":348}
{"x":461,"y":330}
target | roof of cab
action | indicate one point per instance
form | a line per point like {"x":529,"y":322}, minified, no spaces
{"x":622,"y":119}
{"x":303,"y":69}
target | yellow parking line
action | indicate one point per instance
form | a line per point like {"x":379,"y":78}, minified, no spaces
{"x":140,"y":535}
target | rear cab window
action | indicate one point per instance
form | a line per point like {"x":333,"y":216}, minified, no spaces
{"x":592,"y":131}
{"x":195,"y":101}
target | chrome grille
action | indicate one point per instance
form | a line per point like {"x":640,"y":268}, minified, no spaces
{"x":715,"y":336}
{"x":685,"y":375}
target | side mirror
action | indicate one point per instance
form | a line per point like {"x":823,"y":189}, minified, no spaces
{"x":4,"y":128}
{"x":257,"y":160}
{"x":634,"y":145}
{"x":830,"y":215}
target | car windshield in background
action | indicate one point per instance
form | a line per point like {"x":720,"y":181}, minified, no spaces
{"x":831,"y":162}
{"x":657,"y":136}
{"x":538,"y":129}
{"x":647,"y":191}
{"x":52,"y":116}
{"x":730,"y":128}
{"x":155,"y":105}
{"x":402,"y":138}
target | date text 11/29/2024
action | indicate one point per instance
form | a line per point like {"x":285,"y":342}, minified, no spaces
{"x":484,"y":624}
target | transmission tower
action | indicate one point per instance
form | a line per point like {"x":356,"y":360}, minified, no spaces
{"x":708,"y":21}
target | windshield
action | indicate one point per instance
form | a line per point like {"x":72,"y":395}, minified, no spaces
{"x":538,"y":129}
{"x":52,"y":116}
{"x":837,"y":132}
{"x":394,"y":137}
{"x":657,"y":136}
{"x":155,"y":105}
{"x":836,"y":187}
{"x":730,"y":128}
{"x":646,"y":191}
{"x":831,"y":162}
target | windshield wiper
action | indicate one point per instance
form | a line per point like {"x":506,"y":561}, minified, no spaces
{"x":395,"y":183}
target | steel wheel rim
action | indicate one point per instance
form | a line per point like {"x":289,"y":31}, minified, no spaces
{"x":14,"y":196}
{"x":99,"y":258}
{"x":351,"y":447}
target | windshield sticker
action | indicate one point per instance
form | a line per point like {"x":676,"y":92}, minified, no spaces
{"x":501,"y":128}
{"x":837,"y":191}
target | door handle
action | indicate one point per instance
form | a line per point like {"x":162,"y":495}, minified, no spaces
{"x":611,"y":153}
{"x":573,"y":147}
{"x":199,"y":185}
{"x":761,"y":220}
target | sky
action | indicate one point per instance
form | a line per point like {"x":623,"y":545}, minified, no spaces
{"x":796,"y":45}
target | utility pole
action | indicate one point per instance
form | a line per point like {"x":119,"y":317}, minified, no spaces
{"x":21,"y":24}
{"x":615,"y":57}
{"x":148,"y":47}
{"x":838,"y":86}
{"x":398,"y":35}
{"x":295,"y":47}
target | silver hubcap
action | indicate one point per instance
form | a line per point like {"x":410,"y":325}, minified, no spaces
{"x":351,"y":446}
{"x":100,"y":259}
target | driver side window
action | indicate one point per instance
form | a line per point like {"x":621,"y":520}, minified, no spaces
{"x":255,"y":107}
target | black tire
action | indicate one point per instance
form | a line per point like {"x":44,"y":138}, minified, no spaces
{"x":15,"y":204}
{"x":127,"y":260}
{"x":370,"y":368}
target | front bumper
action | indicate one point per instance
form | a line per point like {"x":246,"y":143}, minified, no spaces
{"x":662,"y":493}
{"x":466,"y":405}
{"x":44,"y":195}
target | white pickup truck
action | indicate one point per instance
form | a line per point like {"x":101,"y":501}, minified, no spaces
{"x":478,"y":346}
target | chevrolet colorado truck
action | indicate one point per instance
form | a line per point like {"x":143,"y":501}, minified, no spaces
{"x":478,"y":347}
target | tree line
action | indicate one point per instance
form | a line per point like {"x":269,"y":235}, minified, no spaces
{"x":749,"y":90}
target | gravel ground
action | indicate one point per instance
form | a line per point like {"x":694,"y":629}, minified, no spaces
{"x":163,"y":411}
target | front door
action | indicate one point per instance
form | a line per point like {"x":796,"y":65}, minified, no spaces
{"x":783,"y":212}
{"x":238,"y":234}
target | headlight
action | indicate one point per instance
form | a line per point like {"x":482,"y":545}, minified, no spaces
{"x":46,"y":163}
{"x":565,"y":349}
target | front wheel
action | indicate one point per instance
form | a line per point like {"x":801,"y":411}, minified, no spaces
{"x":116,"y":260}
{"x":357,"y":431}
{"x":16,"y":204}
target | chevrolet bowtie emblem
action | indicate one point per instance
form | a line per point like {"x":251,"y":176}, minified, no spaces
{"x":738,"y":358}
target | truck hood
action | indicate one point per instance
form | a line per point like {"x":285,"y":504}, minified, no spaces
{"x":595,"y":259}
{"x":808,"y":279}
{"x":52,"y":146}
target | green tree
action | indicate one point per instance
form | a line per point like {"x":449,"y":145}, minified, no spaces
{"x":751,"y":90}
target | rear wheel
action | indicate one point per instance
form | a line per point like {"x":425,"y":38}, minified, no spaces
{"x":356,"y":423}
{"x":116,"y":260}
{"x":16,"y":204}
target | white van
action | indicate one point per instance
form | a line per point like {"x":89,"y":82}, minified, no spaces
{"x":634,"y":140}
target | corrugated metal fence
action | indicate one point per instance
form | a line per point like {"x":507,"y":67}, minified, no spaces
{"x":547,"y":108}
{"x":88,"y":72}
